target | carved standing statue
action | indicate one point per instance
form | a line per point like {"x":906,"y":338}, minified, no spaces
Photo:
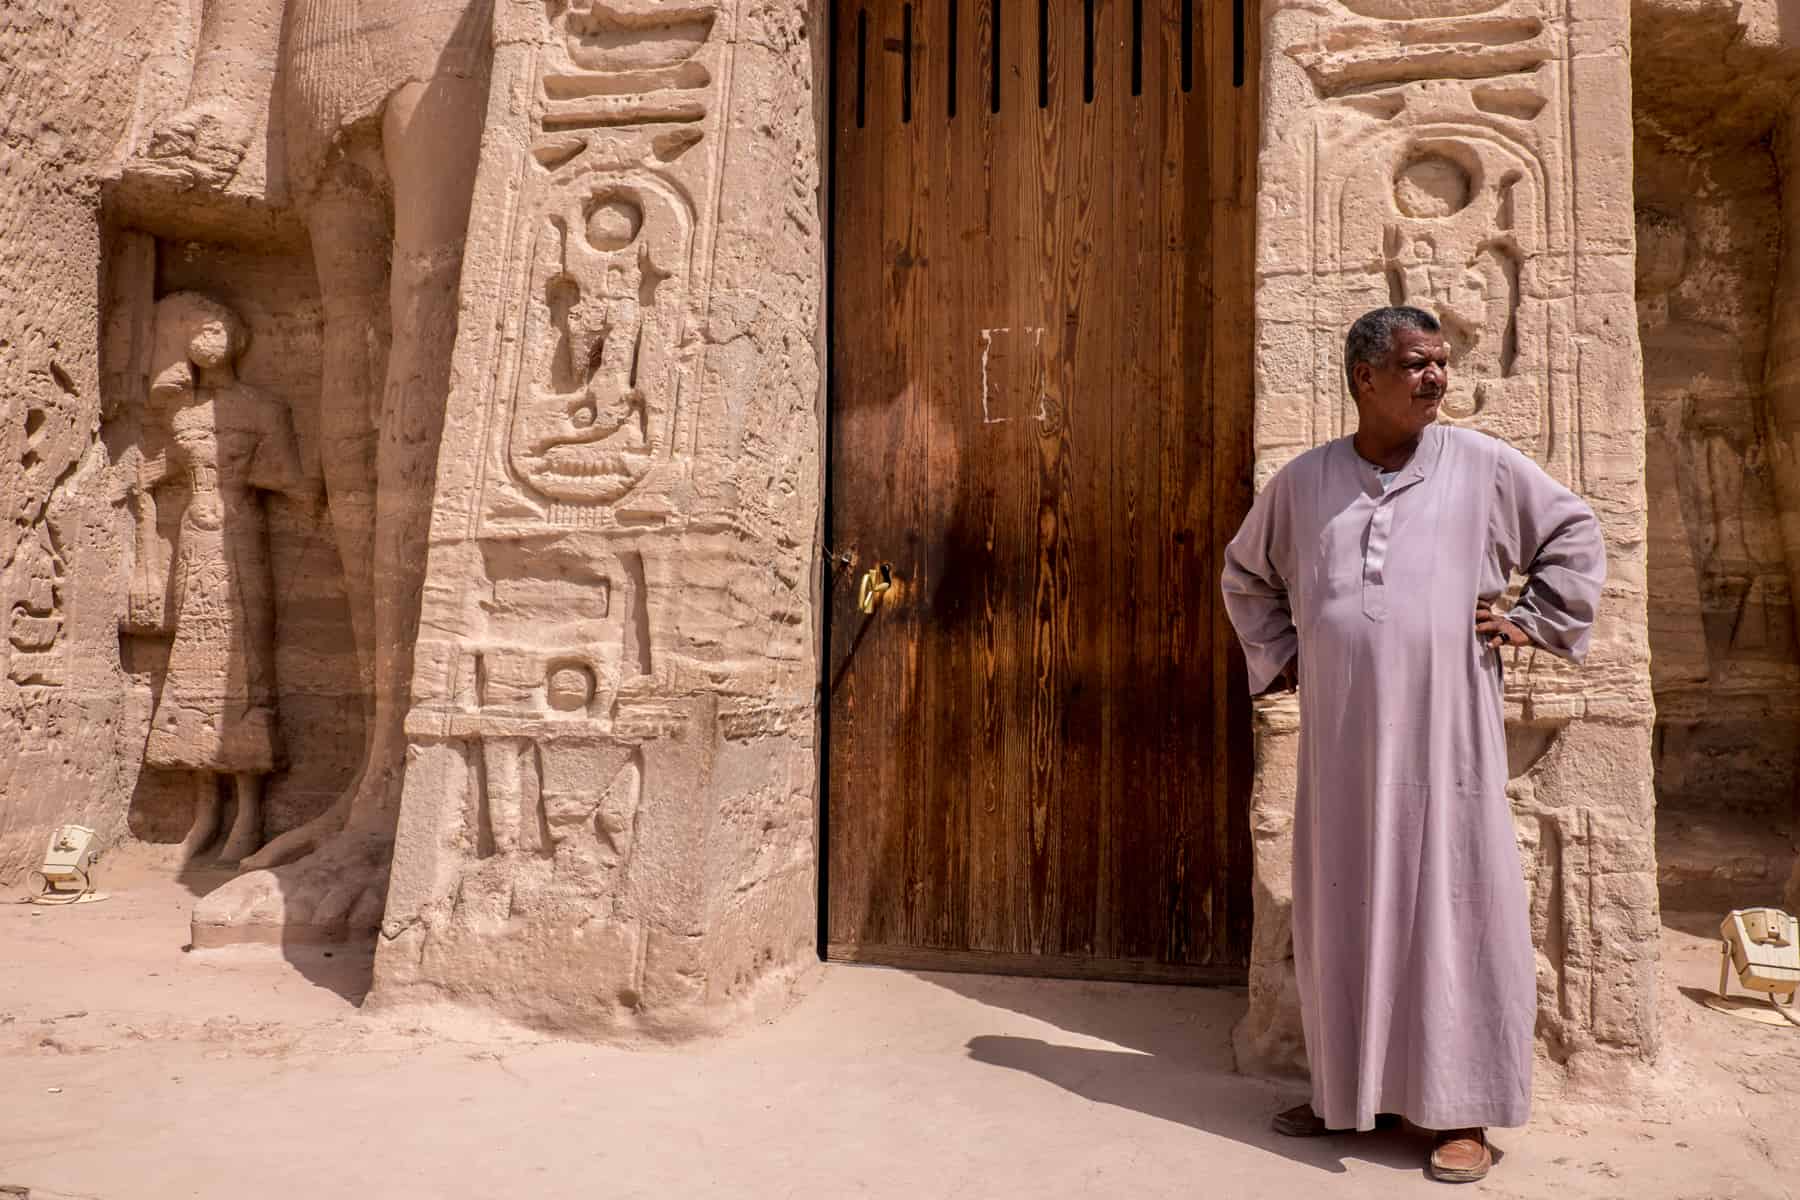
{"x":381,"y":116}
{"x":223,"y":442}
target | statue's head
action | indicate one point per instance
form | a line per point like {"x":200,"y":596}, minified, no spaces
{"x":192,"y":331}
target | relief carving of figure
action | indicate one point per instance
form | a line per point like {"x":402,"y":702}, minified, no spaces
{"x":221,"y":443}
{"x":380,"y":113}
{"x":1453,"y":251}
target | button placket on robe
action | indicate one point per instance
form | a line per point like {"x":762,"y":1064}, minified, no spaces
{"x":1375,"y":553}
{"x":1374,"y":590}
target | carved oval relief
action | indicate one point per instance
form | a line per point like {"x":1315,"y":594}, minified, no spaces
{"x":1415,"y":10}
{"x":570,"y":688}
{"x":1431,"y":185}
{"x":613,"y":223}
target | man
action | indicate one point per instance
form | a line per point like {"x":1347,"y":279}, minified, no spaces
{"x":1364,"y":576}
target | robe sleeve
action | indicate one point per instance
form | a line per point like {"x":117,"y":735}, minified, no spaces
{"x":1256,"y":594}
{"x":1549,"y":534}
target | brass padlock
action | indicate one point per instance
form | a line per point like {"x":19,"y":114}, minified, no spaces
{"x":875,"y":581}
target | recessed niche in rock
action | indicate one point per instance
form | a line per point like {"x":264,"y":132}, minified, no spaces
{"x":1661,"y":251}
{"x":570,"y":688}
{"x":1431,"y":185}
{"x":614,"y":223}
{"x":244,"y":703}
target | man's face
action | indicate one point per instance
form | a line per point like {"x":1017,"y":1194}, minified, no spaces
{"x":1401,"y":396}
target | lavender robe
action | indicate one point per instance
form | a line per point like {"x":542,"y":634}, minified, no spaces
{"x":1411,"y":936}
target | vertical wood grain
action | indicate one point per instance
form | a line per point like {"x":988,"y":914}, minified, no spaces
{"x":1040,"y":414}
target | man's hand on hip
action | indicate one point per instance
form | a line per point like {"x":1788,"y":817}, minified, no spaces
{"x":1495,"y":630}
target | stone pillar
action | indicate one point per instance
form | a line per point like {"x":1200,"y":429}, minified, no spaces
{"x":608,"y":814}
{"x":1425,"y":154}
{"x":1269,"y":1038}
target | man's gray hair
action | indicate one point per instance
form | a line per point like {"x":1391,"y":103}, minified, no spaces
{"x":1371,"y":339}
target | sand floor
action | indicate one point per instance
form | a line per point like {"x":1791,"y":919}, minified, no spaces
{"x":131,"y":1070}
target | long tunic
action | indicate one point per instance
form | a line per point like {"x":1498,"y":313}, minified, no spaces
{"x":346,"y":57}
{"x":1412,"y":941}
{"x":217,"y":708}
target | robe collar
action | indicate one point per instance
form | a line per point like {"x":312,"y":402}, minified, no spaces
{"x":1418,"y":468}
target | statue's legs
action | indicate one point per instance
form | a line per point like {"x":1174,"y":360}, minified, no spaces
{"x":347,"y":224}
{"x":348,"y":229}
{"x":430,"y":144}
{"x":246,"y":826}
{"x":206,"y":816}
{"x":431,"y":138}
{"x":234,"y":62}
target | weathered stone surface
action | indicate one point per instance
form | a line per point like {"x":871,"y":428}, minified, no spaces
{"x":564,"y":649}
{"x":80,"y":272}
{"x":617,"y":617}
{"x":1718,"y":234}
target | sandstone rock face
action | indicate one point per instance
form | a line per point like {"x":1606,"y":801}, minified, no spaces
{"x":291,"y":432}
{"x":608,"y":819}
{"x":1426,"y":154}
{"x":1714,"y":85}
{"x":81,"y":272}
{"x":61,"y":688}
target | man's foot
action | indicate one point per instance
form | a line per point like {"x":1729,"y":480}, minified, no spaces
{"x":1461,"y":1156}
{"x":1299,"y":1121}
{"x":1302,"y":1121}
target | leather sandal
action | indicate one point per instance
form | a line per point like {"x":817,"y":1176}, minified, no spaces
{"x":1461,"y":1156}
{"x":1299,"y":1121}
{"x":1302,"y":1121}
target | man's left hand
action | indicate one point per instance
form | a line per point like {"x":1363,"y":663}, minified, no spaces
{"x":1496,"y":631}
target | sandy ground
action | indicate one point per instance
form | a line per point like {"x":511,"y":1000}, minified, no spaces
{"x":131,"y":1070}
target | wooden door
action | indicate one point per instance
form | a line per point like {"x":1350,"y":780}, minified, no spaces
{"x":1038,"y":742}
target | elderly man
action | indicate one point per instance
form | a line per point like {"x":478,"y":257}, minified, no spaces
{"x":1364,"y":576}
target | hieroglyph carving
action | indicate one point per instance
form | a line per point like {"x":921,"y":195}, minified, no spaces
{"x":34,"y":582}
{"x":608,"y":227}
{"x":212,"y":444}
{"x":1444,"y":185}
{"x":595,"y":407}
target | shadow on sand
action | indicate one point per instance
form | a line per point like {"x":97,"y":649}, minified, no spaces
{"x":1169,"y":1056}
{"x":346,"y":968}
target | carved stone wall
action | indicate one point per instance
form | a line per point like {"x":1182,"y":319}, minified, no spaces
{"x":73,"y":702}
{"x":310,"y":668}
{"x":608,"y":812}
{"x":1426,"y":154}
{"x":67,"y":100}
{"x":84,"y":257}
{"x":1724,"y":629}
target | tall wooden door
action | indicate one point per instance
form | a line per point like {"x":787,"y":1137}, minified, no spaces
{"x":1038,"y":738}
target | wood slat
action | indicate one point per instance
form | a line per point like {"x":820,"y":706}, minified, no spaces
{"x":1039,"y":746}
{"x":861,"y":718}
{"x":1060,"y":966}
